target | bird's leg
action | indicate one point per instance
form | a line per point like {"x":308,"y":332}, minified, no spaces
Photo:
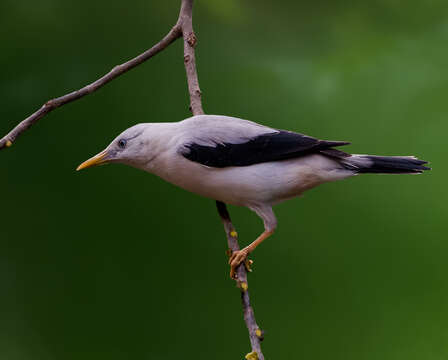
{"x":237,"y":257}
{"x":270,"y":223}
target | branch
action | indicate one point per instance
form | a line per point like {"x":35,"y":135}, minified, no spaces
{"x":255,"y":333}
{"x":10,"y":138}
{"x":190,"y":40}
{"x":184,"y":28}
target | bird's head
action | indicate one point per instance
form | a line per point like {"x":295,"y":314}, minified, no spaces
{"x":131,"y":147}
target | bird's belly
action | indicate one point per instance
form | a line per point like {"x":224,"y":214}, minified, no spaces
{"x":218,"y":184}
{"x":267,"y":183}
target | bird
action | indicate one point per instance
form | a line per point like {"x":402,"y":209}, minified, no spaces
{"x":243,"y":163}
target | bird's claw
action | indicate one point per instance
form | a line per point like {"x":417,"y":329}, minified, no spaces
{"x":236,"y":258}
{"x":248,"y":264}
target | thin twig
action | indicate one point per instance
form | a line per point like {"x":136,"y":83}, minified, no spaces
{"x":190,"y":40}
{"x":10,"y":138}
{"x":184,"y":28}
{"x":255,"y":333}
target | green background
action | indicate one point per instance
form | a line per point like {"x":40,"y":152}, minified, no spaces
{"x":113,"y":263}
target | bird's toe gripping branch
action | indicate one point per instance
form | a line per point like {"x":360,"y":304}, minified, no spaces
{"x":236,"y":258}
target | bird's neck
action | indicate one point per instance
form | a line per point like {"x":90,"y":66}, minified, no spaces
{"x":164,"y":139}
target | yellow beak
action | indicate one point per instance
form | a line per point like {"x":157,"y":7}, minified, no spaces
{"x":98,"y":159}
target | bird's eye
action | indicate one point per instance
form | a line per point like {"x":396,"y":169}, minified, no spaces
{"x":122,"y":143}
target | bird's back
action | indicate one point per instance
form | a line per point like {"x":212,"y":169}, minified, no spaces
{"x":220,"y":141}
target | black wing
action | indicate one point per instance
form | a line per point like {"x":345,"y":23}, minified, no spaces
{"x":276,"y":146}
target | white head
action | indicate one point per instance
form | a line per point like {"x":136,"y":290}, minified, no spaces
{"x":133,"y":147}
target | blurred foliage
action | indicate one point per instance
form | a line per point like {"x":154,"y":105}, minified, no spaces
{"x":113,"y":263}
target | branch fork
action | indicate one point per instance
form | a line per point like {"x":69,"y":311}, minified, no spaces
{"x":182,"y":28}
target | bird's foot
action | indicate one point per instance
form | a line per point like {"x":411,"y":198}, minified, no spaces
{"x":236,"y":258}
